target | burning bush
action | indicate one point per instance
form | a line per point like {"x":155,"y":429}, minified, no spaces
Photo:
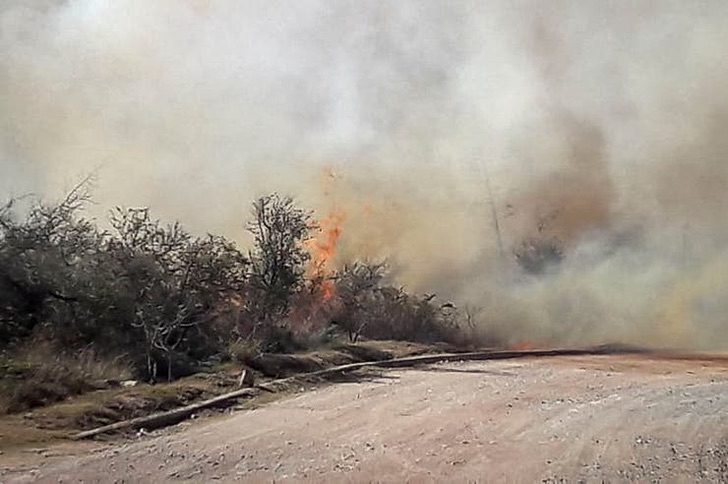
{"x":278,"y":264}
{"x":166,"y":297}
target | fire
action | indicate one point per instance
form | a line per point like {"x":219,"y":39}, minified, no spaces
{"x":328,"y":289}
{"x":323,"y":249}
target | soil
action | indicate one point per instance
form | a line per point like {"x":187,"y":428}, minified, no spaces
{"x":55,"y":422}
{"x":560,"y":419}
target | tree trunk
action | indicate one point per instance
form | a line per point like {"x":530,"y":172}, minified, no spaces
{"x":169,"y":367}
{"x":150,"y":367}
{"x":154,"y":370}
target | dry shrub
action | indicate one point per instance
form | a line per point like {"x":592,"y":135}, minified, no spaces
{"x":370,"y":306}
{"x":244,"y":350}
{"x":38,"y":375}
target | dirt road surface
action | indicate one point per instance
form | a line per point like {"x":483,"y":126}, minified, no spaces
{"x":562,"y":419}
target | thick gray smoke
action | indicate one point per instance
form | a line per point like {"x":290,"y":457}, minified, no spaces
{"x":599,"y":124}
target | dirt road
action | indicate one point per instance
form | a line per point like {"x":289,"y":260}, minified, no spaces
{"x":561,"y":419}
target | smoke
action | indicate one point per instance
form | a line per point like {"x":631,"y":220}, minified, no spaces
{"x":597,"y":124}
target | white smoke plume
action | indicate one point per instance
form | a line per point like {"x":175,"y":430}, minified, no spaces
{"x":600,"y":124}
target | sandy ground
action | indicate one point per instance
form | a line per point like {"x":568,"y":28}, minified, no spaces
{"x":562,"y":419}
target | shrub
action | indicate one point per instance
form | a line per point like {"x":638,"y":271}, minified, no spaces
{"x":370,"y":307}
{"x":243,"y":351}
{"x":144,"y":288}
{"x":167,"y":298}
{"x":43,"y":374}
{"x":177,"y":282}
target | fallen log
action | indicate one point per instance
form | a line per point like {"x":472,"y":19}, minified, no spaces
{"x":445,"y":357}
{"x":179,"y":414}
{"x":166,"y":418}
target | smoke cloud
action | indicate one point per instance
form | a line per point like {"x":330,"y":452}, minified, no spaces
{"x":601,"y":125}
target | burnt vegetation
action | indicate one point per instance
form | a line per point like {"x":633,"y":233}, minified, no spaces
{"x":540,"y":253}
{"x":537,"y":255}
{"x":165,"y":302}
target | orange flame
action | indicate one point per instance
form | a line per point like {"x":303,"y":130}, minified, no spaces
{"x":323,"y":250}
{"x":328,"y":289}
{"x":324,"y":247}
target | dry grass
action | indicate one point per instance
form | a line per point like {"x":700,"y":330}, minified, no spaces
{"x":244,"y":351}
{"x":96,"y":408}
{"x":38,"y":375}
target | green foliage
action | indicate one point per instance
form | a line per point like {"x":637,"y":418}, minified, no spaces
{"x":144,"y":288}
{"x":167,"y":298}
{"x":370,"y":307}
{"x":177,"y":281}
{"x":47,"y":263}
{"x":277,"y":262}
